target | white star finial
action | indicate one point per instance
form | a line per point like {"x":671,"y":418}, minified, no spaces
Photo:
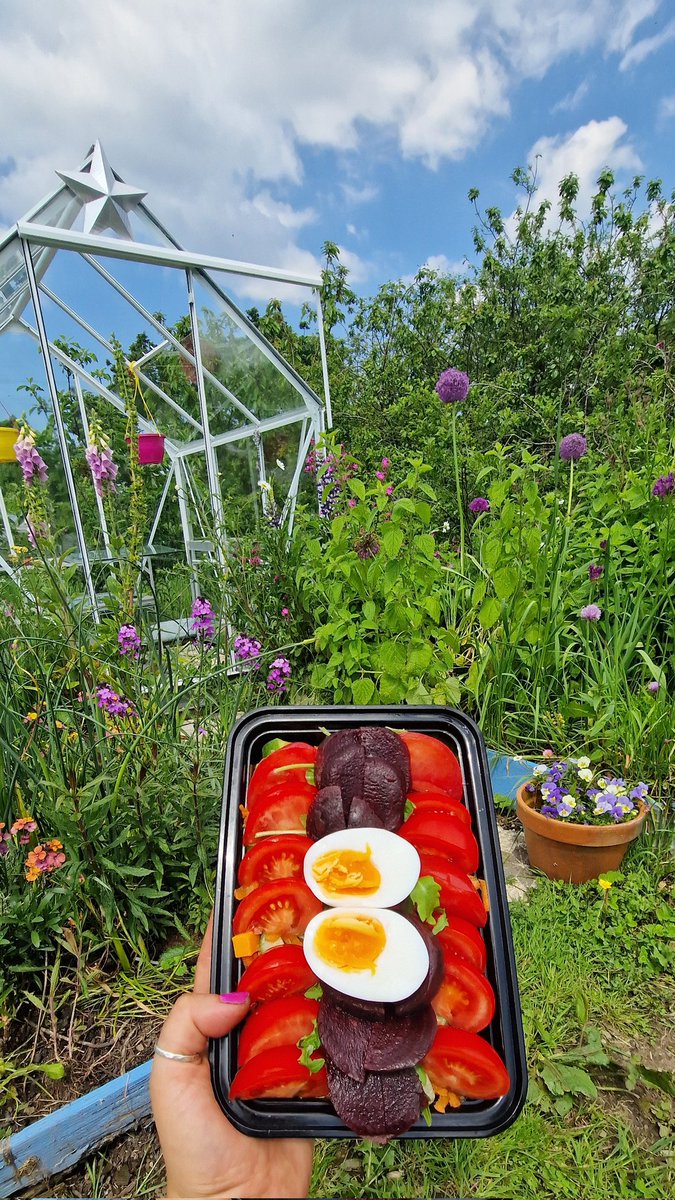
{"x":107,"y":200}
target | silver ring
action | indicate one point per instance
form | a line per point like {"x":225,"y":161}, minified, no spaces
{"x":177,"y":1057}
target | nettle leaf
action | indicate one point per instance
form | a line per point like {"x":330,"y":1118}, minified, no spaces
{"x":426,"y":544}
{"x":370,"y":610}
{"x":363,"y":690}
{"x":423,"y":511}
{"x":491,"y":552}
{"x":391,"y":657}
{"x":391,"y":541}
{"x":490,"y":612}
{"x":561,"y":1079}
{"x":505,"y":582}
{"x":419,"y":658}
{"x":392,"y":572}
{"x":433,"y":607}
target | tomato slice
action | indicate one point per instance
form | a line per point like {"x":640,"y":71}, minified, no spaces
{"x":458,"y":895}
{"x":281,"y":908}
{"x":466,"y":1064}
{"x":282,"y":810}
{"x":281,"y":971}
{"x":460,"y":939}
{"x":277,"y":1073}
{"x":444,"y":834}
{"x":280,"y":1022}
{"x":432,"y":762}
{"x":288,"y":763}
{"x":274,"y":858}
{"x":435,"y":801}
{"x":465,"y":998}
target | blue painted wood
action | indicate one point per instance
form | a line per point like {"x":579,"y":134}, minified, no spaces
{"x":60,"y":1140}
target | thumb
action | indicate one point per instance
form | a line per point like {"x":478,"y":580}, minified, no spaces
{"x":196,"y":1018}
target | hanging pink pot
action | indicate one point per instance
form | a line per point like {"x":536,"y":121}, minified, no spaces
{"x":150,"y":449}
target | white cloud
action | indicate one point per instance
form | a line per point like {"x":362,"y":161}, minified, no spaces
{"x":573,"y":99}
{"x":646,"y":46}
{"x":212,"y":106}
{"x":584,"y":152}
{"x":444,"y":265}
{"x":667,"y":108}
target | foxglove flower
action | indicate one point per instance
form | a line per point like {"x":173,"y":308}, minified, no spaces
{"x":452,"y":386}
{"x":572,"y":447}
{"x":100,"y":462}
{"x":32,"y":464}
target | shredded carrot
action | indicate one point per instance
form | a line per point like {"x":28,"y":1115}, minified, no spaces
{"x":445,"y":1099}
{"x":244,"y":811}
{"x":482,"y":888}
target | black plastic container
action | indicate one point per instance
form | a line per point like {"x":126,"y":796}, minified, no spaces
{"x":316,"y":1118}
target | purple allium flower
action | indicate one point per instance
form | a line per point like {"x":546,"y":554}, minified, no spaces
{"x":595,"y":572}
{"x":653,"y":686}
{"x":278,"y":675}
{"x":246,"y":647}
{"x":452,"y":385}
{"x":114,"y":705}
{"x":102,"y":467}
{"x":129,"y":641}
{"x":389,"y":491}
{"x":367,"y":545}
{"x":479,"y":505}
{"x":663,"y":486}
{"x":572,"y":447}
{"x":591,"y":612}
{"x":203,"y":620}
{"x":32,"y":464}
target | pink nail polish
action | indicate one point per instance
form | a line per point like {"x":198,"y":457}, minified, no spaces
{"x":234,"y":998}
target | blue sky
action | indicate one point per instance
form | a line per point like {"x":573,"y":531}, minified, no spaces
{"x":262,"y":129}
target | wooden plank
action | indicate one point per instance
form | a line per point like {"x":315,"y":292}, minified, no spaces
{"x":58,"y":1141}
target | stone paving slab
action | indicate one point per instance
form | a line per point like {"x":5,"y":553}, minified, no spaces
{"x":519,"y":877}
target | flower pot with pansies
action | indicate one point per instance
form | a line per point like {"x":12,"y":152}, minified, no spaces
{"x":579,"y":822}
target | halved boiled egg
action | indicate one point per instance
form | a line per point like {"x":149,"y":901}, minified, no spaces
{"x":374,"y":954}
{"x":369,"y":867}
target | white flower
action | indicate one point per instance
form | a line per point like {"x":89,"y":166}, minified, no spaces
{"x":446,"y":527}
{"x":540,"y":769}
{"x":280,"y":465}
{"x":569,"y":801}
{"x":586,"y":775}
{"x":262,"y":483}
{"x":584,"y":763}
{"x":614,"y":789}
{"x":545,"y":792}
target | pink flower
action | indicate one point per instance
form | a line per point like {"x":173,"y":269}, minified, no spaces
{"x":591,"y":612}
{"x":352,"y":502}
{"x":385,"y":463}
{"x":381,"y":476}
{"x":285,"y":612}
{"x":389,"y":490}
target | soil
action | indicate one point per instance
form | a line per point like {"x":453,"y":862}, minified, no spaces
{"x":130,"y":1166}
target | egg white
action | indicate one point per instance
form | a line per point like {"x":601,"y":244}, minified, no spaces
{"x":400,"y":969}
{"x":397,"y":861}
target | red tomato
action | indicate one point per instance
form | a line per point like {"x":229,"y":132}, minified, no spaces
{"x":274,"y":858}
{"x":466,"y":1064}
{"x":465,"y":998}
{"x":277,"y":1073}
{"x":460,"y":939}
{"x":432,"y":762}
{"x":288,"y":763}
{"x":281,"y":908}
{"x":282,"y":810}
{"x":442,"y":834}
{"x":435,"y":801}
{"x":459,"y":897}
{"x":281,"y":971}
{"x":280,"y":1022}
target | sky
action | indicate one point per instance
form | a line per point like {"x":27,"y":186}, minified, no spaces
{"x":263,"y":128}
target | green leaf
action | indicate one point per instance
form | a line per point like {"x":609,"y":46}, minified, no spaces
{"x":426,"y":544}
{"x":425,"y":1083}
{"x":357,"y":488}
{"x":490,"y":612}
{"x":315,"y":992}
{"x":307,"y":1047}
{"x":363,"y":690}
{"x":423,"y":511}
{"x":270,"y":747}
{"x":419,"y":658}
{"x":391,"y":657}
{"x":505,"y":582}
{"x":491,"y":552}
{"x":370,"y":610}
{"x":426,"y":896}
{"x":53,"y":1070}
{"x":391,"y":540}
{"x":441,"y":923}
{"x":433,"y":607}
{"x":392,"y":572}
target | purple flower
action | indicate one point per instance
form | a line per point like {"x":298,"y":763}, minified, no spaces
{"x":32,"y":464}
{"x":102,"y":467}
{"x":246,"y":647}
{"x":367,"y":545}
{"x":572,"y":447}
{"x":595,"y":572}
{"x":203,"y":620}
{"x":352,"y":502}
{"x":653,"y":686}
{"x":381,"y":476}
{"x":452,"y":385}
{"x":385,"y":463}
{"x":663,"y":486}
{"x":129,"y":641}
{"x":591,"y":612}
{"x":479,"y":505}
{"x":114,"y":705}
{"x":278,"y":676}
{"x":639,"y":792}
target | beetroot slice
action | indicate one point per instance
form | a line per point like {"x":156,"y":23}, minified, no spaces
{"x":399,"y":1042}
{"x":371,"y":1010}
{"x":336,"y":743}
{"x":345,"y":768}
{"x":326,"y":813}
{"x":429,"y":986}
{"x":362,"y":815}
{"x":344,"y":1037}
{"x":379,"y":742}
{"x":384,"y":791}
{"x":384,"y":1105}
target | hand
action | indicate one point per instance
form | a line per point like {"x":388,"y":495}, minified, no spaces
{"x":203,"y":1153}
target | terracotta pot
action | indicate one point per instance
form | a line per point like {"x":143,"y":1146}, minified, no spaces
{"x":575,"y":853}
{"x":150,"y":448}
{"x":8,"y":438}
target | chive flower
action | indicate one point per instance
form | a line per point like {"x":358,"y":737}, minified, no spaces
{"x":572,"y":447}
{"x":591,"y":612}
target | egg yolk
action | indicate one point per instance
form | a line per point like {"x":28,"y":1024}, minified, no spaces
{"x":350,"y":942}
{"x":351,"y":871}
